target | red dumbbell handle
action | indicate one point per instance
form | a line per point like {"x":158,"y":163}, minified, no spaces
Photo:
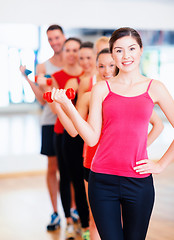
{"x":47,"y":97}
{"x":69,"y":92}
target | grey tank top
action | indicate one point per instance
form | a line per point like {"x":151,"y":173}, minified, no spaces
{"x":48,"y":117}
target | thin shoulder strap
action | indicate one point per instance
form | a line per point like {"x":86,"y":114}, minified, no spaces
{"x":149,"y":85}
{"x":78,"y":80}
{"x":90,"y":84}
{"x":108,"y":86}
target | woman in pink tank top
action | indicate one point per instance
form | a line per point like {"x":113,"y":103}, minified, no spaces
{"x":121,"y":183}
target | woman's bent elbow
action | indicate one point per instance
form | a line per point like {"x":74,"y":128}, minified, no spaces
{"x":91,"y":143}
{"x":72,"y":134}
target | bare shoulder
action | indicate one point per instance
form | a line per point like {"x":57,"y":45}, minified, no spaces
{"x":72,"y":80}
{"x":86,"y":97}
{"x":83,"y":86}
{"x":100,"y":85}
{"x":100,"y":89}
{"x":84,"y":79}
{"x":72,"y":83}
{"x":83,"y":105}
{"x":84,"y":82}
{"x":40,"y":68}
{"x":158,"y":91}
{"x":158,"y":85}
{"x":84,"y":100}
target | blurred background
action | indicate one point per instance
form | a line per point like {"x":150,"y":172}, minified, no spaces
{"x":23,"y":41}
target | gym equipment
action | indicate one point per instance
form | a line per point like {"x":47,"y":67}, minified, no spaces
{"x":70,"y":93}
{"x":27,"y":72}
{"x":49,"y":79}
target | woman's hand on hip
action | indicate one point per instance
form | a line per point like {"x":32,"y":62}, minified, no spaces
{"x":146,"y":166}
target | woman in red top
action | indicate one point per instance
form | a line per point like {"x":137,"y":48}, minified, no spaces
{"x":120,"y":111}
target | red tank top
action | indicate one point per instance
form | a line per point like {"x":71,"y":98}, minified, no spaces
{"x":62,"y":77}
{"x":124,"y":134}
{"x":88,"y":152}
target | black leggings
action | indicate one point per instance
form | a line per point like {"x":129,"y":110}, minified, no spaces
{"x":70,"y":162}
{"x":111,"y":196}
{"x":64,"y":176}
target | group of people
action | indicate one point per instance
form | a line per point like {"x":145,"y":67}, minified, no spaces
{"x":98,"y":141}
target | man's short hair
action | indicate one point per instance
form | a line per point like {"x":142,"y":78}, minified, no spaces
{"x":55,"y":27}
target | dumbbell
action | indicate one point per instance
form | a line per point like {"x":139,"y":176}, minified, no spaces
{"x":49,"y":79}
{"x":27,"y":72}
{"x":70,"y":93}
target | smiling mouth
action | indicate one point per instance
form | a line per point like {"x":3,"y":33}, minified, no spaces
{"x":86,"y":67}
{"x":127,"y":63}
{"x":107,"y":77}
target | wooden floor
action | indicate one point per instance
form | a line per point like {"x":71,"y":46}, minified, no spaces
{"x":25,"y":209}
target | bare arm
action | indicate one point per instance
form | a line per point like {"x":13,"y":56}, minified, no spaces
{"x":36,"y":89}
{"x":72,"y":83}
{"x":83,"y":86}
{"x":90,"y":131}
{"x":160,"y":96}
{"x":157,"y":127}
{"x":65,"y":120}
{"x":57,"y":109}
{"x":53,"y":106}
{"x":82,"y":108}
{"x":40,"y":69}
{"x":63,"y":115}
{"x":166,"y":103}
{"x":42,"y":82}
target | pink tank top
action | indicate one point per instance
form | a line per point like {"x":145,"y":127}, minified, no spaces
{"x":124,"y":134}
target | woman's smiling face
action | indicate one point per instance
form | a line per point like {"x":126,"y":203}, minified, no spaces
{"x":105,"y":66}
{"x":126,"y":53}
{"x":87,"y":59}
